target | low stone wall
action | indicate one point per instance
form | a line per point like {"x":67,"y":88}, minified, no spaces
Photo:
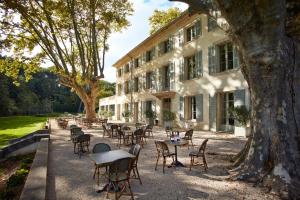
{"x":35,"y":186}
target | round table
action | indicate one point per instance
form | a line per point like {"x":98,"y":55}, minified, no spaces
{"x":181,"y":142}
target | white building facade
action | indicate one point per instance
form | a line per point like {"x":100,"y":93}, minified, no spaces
{"x":189,"y":67}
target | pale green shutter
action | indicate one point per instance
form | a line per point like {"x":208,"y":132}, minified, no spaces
{"x":144,"y":109}
{"x":181,"y":108}
{"x":140,"y":111}
{"x":153,"y":80}
{"x":171,"y":43}
{"x":172,"y":75}
{"x":153,"y":104}
{"x":199,"y":107}
{"x":199,"y":64}
{"x":198,"y":26}
{"x":213,"y":112}
{"x":211,"y":24}
{"x":160,"y":48}
{"x":212,"y":59}
{"x":144,"y":81}
{"x":162,"y":79}
{"x":158,"y":80}
{"x":144,"y":55}
{"x":235,"y":57}
{"x":181,"y":69}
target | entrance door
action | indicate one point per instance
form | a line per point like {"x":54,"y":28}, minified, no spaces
{"x":227,"y":103}
{"x":167,"y":104}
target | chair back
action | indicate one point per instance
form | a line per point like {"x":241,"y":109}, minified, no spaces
{"x":114,"y":127}
{"x":138,"y":125}
{"x":135,"y":150}
{"x":120,"y":132}
{"x":123,"y":165}
{"x":73,"y":126}
{"x":162,"y":147}
{"x":75,"y":135}
{"x":189,"y":134}
{"x":101,"y":147}
{"x":149,"y":127}
{"x":138,"y":132}
{"x":84,"y":138}
{"x":203,"y":147}
{"x":126,"y":128}
{"x":75,"y":129}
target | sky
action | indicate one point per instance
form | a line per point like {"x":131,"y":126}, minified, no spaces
{"x":121,"y":43}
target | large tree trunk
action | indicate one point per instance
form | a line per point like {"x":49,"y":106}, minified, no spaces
{"x":272,"y":70}
{"x":90,"y":106}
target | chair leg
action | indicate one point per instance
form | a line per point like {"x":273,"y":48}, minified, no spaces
{"x":156,"y":162}
{"x":191,"y":163}
{"x":164,"y":163}
{"x":95,"y":172}
{"x":138,"y":174}
{"x":204,"y":162}
{"x":129,"y":187}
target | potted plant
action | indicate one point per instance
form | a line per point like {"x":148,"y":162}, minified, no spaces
{"x":168,"y":118}
{"x":150,"y":115}
{"x":241,"y":116}
{"x":108,"y":114}
{"x":126,"y":115}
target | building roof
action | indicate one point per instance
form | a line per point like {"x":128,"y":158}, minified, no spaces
{"x":140,"y":45}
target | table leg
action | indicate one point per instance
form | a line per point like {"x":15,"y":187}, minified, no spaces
{"x":176,"y":162}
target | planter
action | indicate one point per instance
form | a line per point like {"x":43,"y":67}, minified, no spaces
{"x":241,"y":131}
{"x":126,"y":119}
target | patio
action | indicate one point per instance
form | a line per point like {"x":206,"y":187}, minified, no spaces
{"x":70,"y":177}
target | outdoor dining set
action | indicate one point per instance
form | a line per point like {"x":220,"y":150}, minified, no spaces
{"x":120,"y":165}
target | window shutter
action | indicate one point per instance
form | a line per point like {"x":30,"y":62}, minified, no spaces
{"x":172,"y":75}
{"x":140,"y":83}
{"x":180,"y":37}
{"x":198,"y":25}
{"x":213,"y":112}
{"x":236,"y":63}
{"x":161,"y":48}
{"x":211,"y":24}
{"x":158,"y":80}
{"x":123,"y":87}
{"x":144,"y":81}
{"x":153,"y":104}
{"x":199,"y":64}
{"x":199,"y":107}
{"x":181,"y":108}
{"x":171,"y":43}
{"x":212,"y":59}
{"x":144,"y":55}
{"x":140,"y":117}
{"x":161,"y":78}
{"x":143,"y":110}
{"x":239,"y":98}
{"x":181,"y":69}
{"x":153,"y":80}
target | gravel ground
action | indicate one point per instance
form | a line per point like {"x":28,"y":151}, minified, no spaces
{"x":70,"y":177}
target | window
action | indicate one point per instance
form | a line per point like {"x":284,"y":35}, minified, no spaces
{"x":193,"y":67}
{"x":126,"y":68}
{"x":228,"y":103}
{"x":166,"y":46}
{"x":150,"y":55}
{"x":119,"y":89}
{"x":211,"y":24}
{"x":112,"y":109}
{"x":226,"y":57}
{"x":193,"y":31}
{"x":119,"y":72}
{"x":148,"y":105}
{"x":136,"y":84}
{"x":166,"y":77}
{"x":149,"y":80}
{"x":193,"y":107}
{"x":136,"y":62}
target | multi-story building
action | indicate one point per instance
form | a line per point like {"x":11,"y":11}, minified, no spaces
{"x":189,"y":67}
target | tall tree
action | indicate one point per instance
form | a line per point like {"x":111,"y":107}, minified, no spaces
{"x":72,"y":34}
{"x":160,"y":18}
{"x":267,"y":33}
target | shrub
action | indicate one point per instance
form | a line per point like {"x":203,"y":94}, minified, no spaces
{"x":150,"y":114}
{"x":126,"y":114}
{"x":168,"y":115}
{"x":17,"y":179}
{"x":241,"y":114}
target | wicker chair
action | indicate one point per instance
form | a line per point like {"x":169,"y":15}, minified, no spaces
{"x":100,"y":148}
{"x":139,"y":135}
{"x":199,"y":153}
{"x":135,"y":150}
{"x":163,"y":151}
{"x":148,"y":130}
{"x":114,"y":130}
{"x":73,"y":131}
{"x":106,"y":131}
{"x":189,"y":137}
{"x":119,"y":176}
{"x":74,"y":137}
{"x":83,"y":143}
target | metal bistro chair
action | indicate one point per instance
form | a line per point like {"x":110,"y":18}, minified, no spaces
{"x":106,"y":131}
{"x":99,"y":148}
{"x":122,"y":137}
{"x":163,"y":150}
{"x":139,"y":135}
{"x":73,"y":131}
{"x":148,"y":130}
{"x":199,"y":153}
{"x":114,"y":130}
{"x":83,"y":143}
{"x":135,"y":150}
{"x":74,"y":139}
{"x":119,"y":176}
{"x":189,"y":137}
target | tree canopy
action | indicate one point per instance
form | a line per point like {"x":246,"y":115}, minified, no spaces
{"x":71,"y":34}
{"x":160,"y":18}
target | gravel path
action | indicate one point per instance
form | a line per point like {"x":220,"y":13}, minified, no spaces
{"x":70,"y":177}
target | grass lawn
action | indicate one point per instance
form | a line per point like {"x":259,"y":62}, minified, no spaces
{"x":17,"y":126}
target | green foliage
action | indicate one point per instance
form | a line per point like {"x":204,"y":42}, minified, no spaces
{"x":105,"y":113}
{"x":161,"y":18}
{"x":126,"y":114}
{"x":168,"y":115}
{"x":17,"y":179}
{"x":150,"y":114}
{"x":106,"y":89}
{"x":241,"y":114}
